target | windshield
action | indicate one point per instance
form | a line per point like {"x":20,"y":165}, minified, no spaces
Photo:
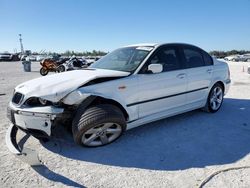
{"x":123,"y":59}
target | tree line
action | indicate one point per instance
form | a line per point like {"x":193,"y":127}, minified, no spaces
{"x":222,"y":54}
{"x":84,"y":53}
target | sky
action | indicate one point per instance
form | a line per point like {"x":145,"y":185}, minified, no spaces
{"x":80,"y":25}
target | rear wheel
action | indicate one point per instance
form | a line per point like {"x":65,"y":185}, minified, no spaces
{"x":98,"y":125}
{"x":61,"y":68}
{"x":215,"y":98}
{"x":44,"y":71}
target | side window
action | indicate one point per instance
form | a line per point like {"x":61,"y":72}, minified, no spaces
{"x":168,"y":58}
{"x":207,"y":58}
{"x":193,"y":57}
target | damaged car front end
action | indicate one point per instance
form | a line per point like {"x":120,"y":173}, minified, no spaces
{"x":39,"y":105}
{"x":33,"y":121}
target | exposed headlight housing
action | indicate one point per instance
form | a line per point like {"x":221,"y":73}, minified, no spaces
{"x":42,"y":101}
{"x":36,"y":101}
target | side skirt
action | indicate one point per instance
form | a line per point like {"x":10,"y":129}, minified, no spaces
{"x":164,"y":114}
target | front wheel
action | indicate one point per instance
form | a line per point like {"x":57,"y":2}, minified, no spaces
{"x":44,"y":71}
{"x":215,"y":98}
{"x":98,"y":125}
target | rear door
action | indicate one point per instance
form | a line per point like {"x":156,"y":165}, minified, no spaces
{"x":199,"y":73}
{"x":165,"y":91}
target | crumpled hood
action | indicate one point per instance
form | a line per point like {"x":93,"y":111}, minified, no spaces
{"x":57,"y":86}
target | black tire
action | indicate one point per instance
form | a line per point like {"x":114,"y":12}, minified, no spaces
{"x":43,"y":71}
{"x":208,"y":107}
{"x":60,"y":68}
{"x":86,"y":119}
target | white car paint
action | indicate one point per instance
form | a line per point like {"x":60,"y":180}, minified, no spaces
{"x":129,"y":91}
{"x":57,"y":86}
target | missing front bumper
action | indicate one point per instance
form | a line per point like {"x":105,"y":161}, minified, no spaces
{"x":26,"y":155}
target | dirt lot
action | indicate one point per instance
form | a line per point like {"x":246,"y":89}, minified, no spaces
{"x":181,"y":151}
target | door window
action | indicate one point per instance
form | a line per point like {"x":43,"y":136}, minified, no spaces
{"x":166,"y":56}
{"x":193,"y":58}
{"x":208,"y":59}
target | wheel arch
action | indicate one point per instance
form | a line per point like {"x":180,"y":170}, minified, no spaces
{"x":221,"y":83}
{"x":94,"y":100}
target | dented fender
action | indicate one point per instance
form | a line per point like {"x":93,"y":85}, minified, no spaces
{"x":75,"y":97}
{"x":86,"y":96}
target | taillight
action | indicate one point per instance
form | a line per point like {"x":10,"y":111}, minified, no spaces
{"x":228,"y":73}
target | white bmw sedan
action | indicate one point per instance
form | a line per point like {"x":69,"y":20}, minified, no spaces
{"x":130,"y":86}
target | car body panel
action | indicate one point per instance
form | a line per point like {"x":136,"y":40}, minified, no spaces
{"x":199,"y":81}
{"x":123,"y":90}
{"x":161,"y":86}
{"x":54,"y":87}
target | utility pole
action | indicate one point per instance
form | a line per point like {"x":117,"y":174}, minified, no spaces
{"x":21,"y":44}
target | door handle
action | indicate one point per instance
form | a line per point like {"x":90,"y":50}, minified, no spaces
{"x":181,"y":76}
{"x":209,"y":71}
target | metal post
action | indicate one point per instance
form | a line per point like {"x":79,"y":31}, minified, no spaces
{"x":21,"y":44}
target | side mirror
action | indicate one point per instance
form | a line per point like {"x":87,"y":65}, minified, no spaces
{"x":155,"y":68}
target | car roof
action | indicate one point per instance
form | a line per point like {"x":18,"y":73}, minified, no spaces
{"x":142,"y":44}
{"x":158,"y":44}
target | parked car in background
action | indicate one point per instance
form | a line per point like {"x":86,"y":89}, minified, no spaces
{"x":55,"y":57}
{"x":23,"y":57}
{"x":235,"y":58}
{"x":245,"y":58}
{"x":40,"y":57}
{"x":15,"y":57}
{"x":30,"y":58}
{"x":5,"y":56}
{"x":91,"y":59}
{"x":129,"y":87}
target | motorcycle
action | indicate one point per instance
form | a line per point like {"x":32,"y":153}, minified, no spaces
{"x":72,"y":64}
{"x":48,"y":65}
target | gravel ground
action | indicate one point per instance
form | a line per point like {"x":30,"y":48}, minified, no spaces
{"x":181,"y":151}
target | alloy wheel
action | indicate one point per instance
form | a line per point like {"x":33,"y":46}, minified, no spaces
{"x":216,"y":98}
{"x":101,"y":134}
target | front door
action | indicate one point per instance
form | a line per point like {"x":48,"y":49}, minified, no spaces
{"x":165,"y":91}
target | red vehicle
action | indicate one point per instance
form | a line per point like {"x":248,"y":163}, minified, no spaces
{"x":48,"y":65}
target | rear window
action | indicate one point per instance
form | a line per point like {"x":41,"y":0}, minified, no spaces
{"x":193,"y":57}
{"x":207,"y":58}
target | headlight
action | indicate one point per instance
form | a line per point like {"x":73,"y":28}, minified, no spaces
{"x":42,"y":101}
{"x":35,"y":101}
